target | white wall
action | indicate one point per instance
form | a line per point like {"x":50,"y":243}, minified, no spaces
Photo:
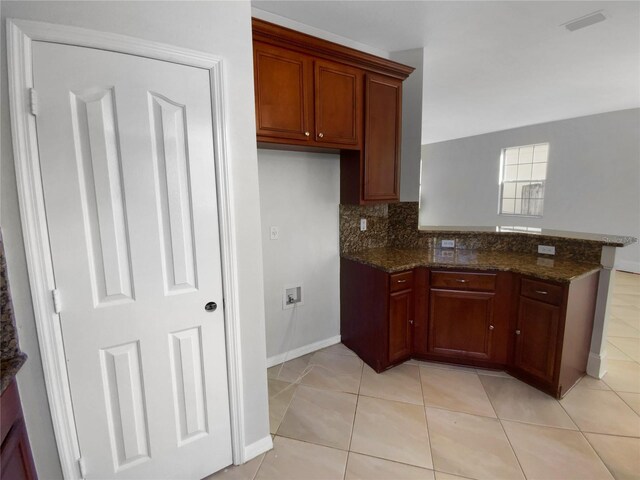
{"x":221,"y":28}
{"x":593,"y":178}
{"x":300,"y":194}
{"x":411,"y":124}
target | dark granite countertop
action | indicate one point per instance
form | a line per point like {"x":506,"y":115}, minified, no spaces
{"x":9,"y":368}
{"x":605,"y":240}
{"x":393,"y":260}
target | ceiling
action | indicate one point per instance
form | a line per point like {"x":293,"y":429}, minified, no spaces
{"x":493,"y":65}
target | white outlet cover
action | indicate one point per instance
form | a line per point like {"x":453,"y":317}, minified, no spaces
{"x":547,"y":249}
{"x":363,"y":224}
{"x":274,"y":233}
{"x":448,"y":243}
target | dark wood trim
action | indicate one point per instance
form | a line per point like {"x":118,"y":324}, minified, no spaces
{"x":275,"y":34}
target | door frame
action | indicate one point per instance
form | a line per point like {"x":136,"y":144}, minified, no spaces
{"x":20,"y":35}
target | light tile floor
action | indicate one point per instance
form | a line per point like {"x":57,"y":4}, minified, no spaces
{"x":332,"y":417}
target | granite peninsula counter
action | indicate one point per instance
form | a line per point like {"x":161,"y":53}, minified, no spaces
{"x":392,"y":260}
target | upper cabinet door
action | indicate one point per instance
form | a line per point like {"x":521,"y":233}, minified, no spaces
{"x":383,"y":113}
{"x":284,"y":93}
{"x":338,"y":103}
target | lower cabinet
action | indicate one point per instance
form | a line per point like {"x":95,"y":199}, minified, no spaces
{"x":538,"y":331}
{"x":401,"y":322}
{"x":16,"y":462}
{"x":461,"y":324}
{"x":552,"y":332}
{"x":536,"y":338}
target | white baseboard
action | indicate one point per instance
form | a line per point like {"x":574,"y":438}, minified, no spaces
{"x":254,"y":449}
{"x":298,"y":352}
{"x":597,"y":365}
{"x":628,"y":266}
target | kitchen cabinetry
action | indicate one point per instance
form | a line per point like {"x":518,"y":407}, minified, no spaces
{"x":539,"y":331}
{"x":312,"y":94}
{"x":401,"y":316}
{"x":289,"y":108}
{"x":377,"y":312}
{"x":16,"y":461}
{"x":468,"y":318}
{"x":552,"y":333}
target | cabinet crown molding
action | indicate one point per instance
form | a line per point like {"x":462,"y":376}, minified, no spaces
{"x":268,"y":32}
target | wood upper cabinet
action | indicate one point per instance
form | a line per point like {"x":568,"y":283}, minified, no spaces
{"x":383,"y":113}
{"x":338,"y":104}
{"x":302,"y":99}
{"x":314,"y":94}
{"x":284,"y":93}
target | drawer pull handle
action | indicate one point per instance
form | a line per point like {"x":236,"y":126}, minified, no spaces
{"x":517,"y":332}
{"x":401,"y":281}
{"x":542,"y":292}
{"x":460,"y":280}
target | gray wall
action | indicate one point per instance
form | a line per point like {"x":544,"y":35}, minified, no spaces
{"x":411,"y":124}
{"x":300,"y":193}
{"x":223,"y":29}
{"x":593,"y":178}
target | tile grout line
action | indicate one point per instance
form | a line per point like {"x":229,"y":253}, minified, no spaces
{"x":504,"y":431}
{"x":426,"y":421}
{"x":353,"y":424}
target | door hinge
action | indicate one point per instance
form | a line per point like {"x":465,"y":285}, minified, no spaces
{"x":33,"y":101}
{"x":82,"y":466}
{"x":55,"y":295}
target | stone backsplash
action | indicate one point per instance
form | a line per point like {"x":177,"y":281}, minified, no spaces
{"x":396,"y":225}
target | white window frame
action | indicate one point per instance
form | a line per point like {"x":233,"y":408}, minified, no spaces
{"x":501,"y":180}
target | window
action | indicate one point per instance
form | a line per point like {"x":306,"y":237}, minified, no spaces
{"x":523,"y":172}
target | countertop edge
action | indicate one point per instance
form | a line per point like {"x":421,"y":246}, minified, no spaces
{"x":353,"y":256}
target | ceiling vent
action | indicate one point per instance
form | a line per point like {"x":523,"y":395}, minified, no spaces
{"x":585,"y":21}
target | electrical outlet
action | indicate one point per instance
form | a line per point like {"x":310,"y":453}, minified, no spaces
{"x":274,"y":233}
{"x":547,"y":249}
{"x":363,"y":224}
{"x":448,"y":244}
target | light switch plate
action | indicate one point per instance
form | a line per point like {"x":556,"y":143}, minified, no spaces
{"x":547,"y":249}
{"x":274,"y":233}
{"x":363,"y":224}
{"x":448,"y":243}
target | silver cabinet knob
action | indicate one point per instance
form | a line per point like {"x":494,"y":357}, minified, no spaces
{"x":306,"y":134}
{"x":517,"y":332}
{"x":411,"y":322}
{"x":321,"y":134}
{"x":491,"y":327}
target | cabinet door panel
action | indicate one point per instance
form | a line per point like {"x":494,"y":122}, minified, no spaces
{"x":536,"y":339}
{"x":338,"y":103}
{"x":400,"y":325}
{"x":461,"y":324}
{"x":283,"y":87}
{"x":383,"y":106}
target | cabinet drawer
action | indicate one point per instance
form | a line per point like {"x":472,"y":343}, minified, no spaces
{"x":463,"y":280}
{"x":545,"y":292}
{"x":401,"y":281}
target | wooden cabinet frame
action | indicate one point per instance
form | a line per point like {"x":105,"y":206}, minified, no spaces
{"x":348,"y":89}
